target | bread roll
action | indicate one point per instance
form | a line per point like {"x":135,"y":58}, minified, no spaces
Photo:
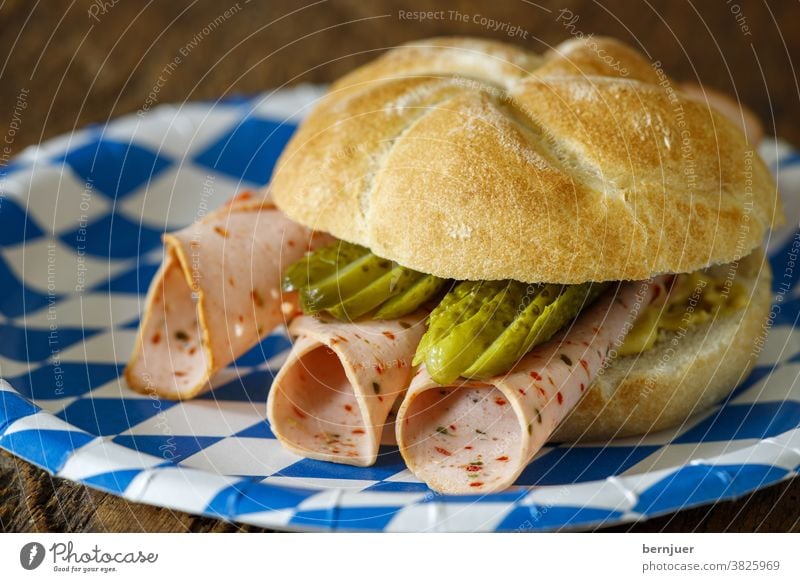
{"x":472,"y":159}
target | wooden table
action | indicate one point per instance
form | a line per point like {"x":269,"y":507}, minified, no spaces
{"x":92,"y":61}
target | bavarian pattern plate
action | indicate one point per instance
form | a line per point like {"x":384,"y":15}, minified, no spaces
{"x":81,"y":219}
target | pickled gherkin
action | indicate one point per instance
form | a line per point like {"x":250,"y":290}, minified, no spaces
{"x":459,"y":305}
{"x":345,"y":282}
{"x":320,"y":264}
{"x":368,"y":298}
{"x":485,"y":328}
{"x":541,"y":324}
{"x":409,"y":300}
{"x":451,"y":355}
{"x":348,"y":281}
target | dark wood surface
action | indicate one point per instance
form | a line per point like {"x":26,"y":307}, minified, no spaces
{"x":87,"y":62}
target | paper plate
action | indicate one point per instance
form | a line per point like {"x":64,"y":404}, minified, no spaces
{"x":80,"y":225}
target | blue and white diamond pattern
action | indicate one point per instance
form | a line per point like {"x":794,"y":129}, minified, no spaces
{"x":81,"y":218}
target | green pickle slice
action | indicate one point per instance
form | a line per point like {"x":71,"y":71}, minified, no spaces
{"x":507,"y":347}
{"x":365,"y":300}
{"x":572,"y":300}
{"x":459,"y":305}
{"x":318,"y":265}
{"x":493,"y":335}
{"x":348,"y":281}
{"x":538,"y":323}
{"x":450,"y":356}
{"x":409,"y":300}
{"x":343,"y":283}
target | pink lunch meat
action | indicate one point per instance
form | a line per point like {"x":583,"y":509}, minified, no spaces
{"x":477,"y":437}
{"x":216,"y":295}
{"x":333,"y":396}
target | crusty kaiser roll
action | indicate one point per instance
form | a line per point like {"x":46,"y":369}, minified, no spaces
{"x":471,"y":159}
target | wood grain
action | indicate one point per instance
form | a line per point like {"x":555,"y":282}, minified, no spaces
{"x":76,"y":69}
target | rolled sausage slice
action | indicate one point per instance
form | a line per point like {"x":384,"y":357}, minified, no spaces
{"x":333,"y":396}
{"x":477,"y":437}
{"x":215,"y":296}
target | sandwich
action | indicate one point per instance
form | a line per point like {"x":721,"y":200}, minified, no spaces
{"x":491,"y":249}
{"x":580,"y":248}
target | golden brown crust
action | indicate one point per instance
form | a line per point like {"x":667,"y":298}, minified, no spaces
{"x":472,"y":159}
{"x":682,"y":375}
